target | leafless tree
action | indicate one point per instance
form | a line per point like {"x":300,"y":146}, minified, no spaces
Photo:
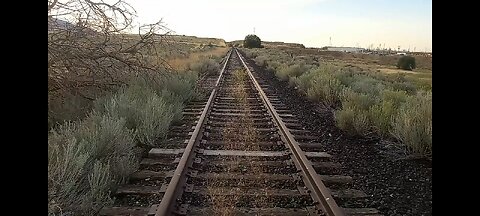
{"x":88,"y":45}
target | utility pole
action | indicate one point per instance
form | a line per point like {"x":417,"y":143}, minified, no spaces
{"x":253,"y":30}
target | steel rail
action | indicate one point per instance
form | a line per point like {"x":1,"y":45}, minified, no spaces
{"x":174,"y":189}
{"x":320,"y":192}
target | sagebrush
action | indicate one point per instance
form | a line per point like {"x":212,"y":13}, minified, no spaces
{"x":393,"y":106}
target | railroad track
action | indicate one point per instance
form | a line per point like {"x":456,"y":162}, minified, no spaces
{"x":239,"y":152}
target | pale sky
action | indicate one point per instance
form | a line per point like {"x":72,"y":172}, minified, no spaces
{"x":406,"y":23}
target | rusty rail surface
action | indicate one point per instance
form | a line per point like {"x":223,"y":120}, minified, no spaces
{"x":320,"y":193}
{"x":176,"y":183}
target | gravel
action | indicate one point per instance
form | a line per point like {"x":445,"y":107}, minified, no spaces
{"x":398,"y":185}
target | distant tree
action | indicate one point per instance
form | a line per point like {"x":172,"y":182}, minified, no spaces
{"x":406,"y":63}
{"x":252,"y":41}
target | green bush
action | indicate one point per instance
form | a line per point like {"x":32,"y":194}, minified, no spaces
{"x":150,"y":105}
{"x":357,"y":100}
{"x":66,"y":161}
{"x":68,"y":107}
{"x":382,"y":113}
{"x":125,"y":104}
{"x":320,"y":84}
{"x":205,"y":66}
{"x":389,"y":105}
{"x":367,"y":85}
{"x":404,"y":86}
{"x":252,"y":41}
{"x":147,"y":114}
{"x":355,"y":115}
{"x":395,"y":97}
{"x":284,"y":72}
{"x":181,"y":84}
{"x":344,"y":119}
{"x":362,"y":123}
{"x":109,"y":140}
{"x":251,"y":54}
{"x":304,"y":82}
{"x":326,"y":89}
{"x":156,"y":116}
{"x":406,"y":63}
{"x":353,"y":120}
{"x":274,"y":65}
{"x":345,"y":76}
{"x":178,"y":89}
{"x":261,"y":61}
{"x":86,"y":159}
{"x":381,"y":117}
{"x":413,"y":124}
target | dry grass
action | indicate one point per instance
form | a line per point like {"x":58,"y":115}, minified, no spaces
{"x":182,"y":63}
{"x":367,"y":78}
{"x":391,"y":71}
{"x":91,"y":157}
{"x":413,"y":124}
{"x":222,"y":204}
{"x":245,"y":130}
{"x":86,"y":160}
{"x":73,"y":103}
{"x":197,"y":40}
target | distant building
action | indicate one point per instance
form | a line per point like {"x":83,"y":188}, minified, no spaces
{"x":346,"y":49}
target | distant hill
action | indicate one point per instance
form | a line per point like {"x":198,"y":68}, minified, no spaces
{"x":198,"y":40}
{"x":271,"y":44}
{"x":58,"y":24}
{"x":282,"y":44}
{"x":54,"y":23}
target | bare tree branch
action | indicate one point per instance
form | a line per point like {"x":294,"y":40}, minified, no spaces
{"x":86,"y":41}
{"x":51,"y":5}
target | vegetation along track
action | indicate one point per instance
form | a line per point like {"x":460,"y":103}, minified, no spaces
{"x":246,"y":155}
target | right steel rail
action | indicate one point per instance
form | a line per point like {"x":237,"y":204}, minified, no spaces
{"x":312,"y":180}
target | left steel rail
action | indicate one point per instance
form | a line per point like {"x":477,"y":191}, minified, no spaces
{"x":175,"y":186}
